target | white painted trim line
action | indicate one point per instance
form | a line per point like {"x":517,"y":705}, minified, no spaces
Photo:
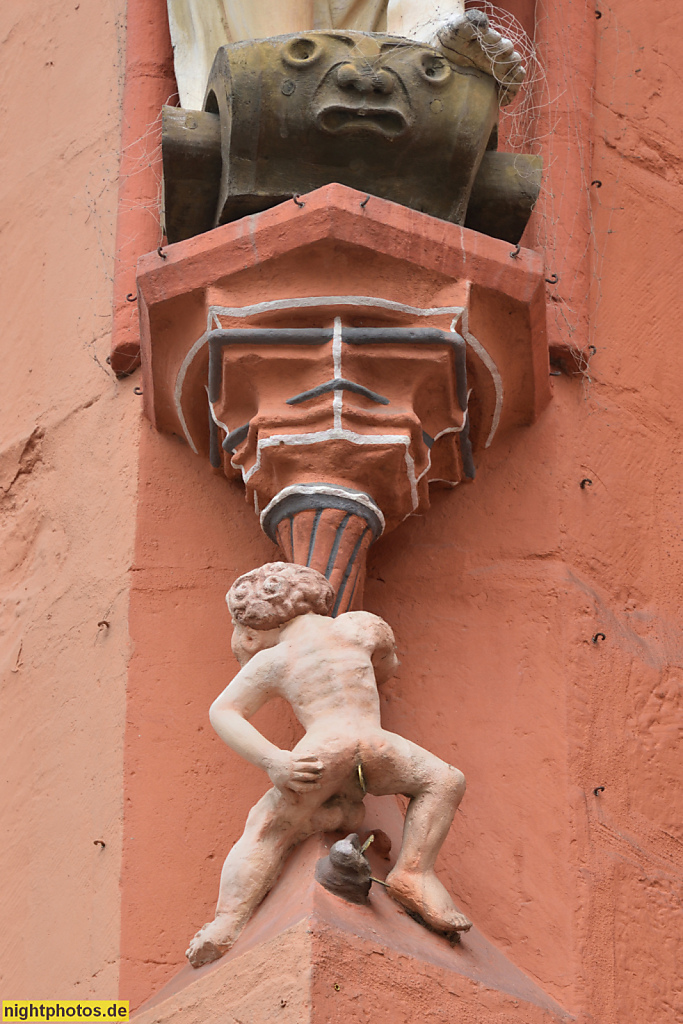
{"x":215,"y":419}
{"x":338,"y":399}
{"x":490,"y":366}
{"x":337,"y":492}
{"x":321,"y":436}
{"x":309,"y":301}
{"x":446,"y":430}
{"x":180,"y":380}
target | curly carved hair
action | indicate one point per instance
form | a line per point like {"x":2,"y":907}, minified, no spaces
{"x":273,"y":594}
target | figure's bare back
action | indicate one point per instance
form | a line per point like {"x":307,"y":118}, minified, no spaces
{"x":328,"y":667}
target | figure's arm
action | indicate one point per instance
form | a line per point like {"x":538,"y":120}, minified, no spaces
{"x":251,"y":688}
{"x":242,"y":698}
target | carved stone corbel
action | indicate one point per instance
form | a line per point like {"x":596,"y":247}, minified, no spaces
{"x":341,"y":357}
{"x":329,"y":462}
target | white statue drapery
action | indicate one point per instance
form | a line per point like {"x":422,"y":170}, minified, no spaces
{"x":200,"y":27}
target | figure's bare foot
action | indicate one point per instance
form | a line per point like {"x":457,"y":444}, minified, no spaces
{"x":423,"y":893}
{"x":211,"y":942}
{"x":471,"y":41}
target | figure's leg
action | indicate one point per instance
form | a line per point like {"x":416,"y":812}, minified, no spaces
{"x":273,"y":827}
{"x":413,"y":881}
{"x":435,"y":790}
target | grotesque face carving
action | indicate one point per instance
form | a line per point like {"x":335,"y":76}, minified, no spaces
{"x":382,"y":114}
{"x":376,"y":112}
{"x":366,"y":85}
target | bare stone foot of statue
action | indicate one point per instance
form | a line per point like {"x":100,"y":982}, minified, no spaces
{"x":470,"y":41}
{"x":211,"y":941}
{"x":423,"y":893}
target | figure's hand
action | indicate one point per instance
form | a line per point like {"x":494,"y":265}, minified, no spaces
{"x":297,"y":774}
{"x":470,"y":40}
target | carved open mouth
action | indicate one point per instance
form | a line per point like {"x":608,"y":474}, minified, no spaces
{"x":369,"y":119}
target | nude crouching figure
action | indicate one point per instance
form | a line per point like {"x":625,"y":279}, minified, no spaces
{"x":328,"y":670}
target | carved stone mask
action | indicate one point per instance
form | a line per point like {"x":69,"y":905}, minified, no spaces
{"x":290,"y":114}
{"x":387,"y":116}
{"x":368,"y":86}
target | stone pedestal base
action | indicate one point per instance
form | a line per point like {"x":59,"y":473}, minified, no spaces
{"x":315,"y":973}
{"x":308,"y":957}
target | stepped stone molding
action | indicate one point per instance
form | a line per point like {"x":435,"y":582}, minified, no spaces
{"x":264,"y":350}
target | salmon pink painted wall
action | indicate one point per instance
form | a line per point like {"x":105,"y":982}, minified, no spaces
{"x":68,"y":463}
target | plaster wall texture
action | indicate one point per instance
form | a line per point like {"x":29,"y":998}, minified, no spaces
{"x":68,"y":449}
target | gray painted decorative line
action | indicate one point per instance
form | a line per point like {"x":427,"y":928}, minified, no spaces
{"x":314,"y":531}
{"x":291,"y":536}
{"x":336,"y":544}
{"x":303,"y":502}
{"x":466,"y":450}
{"x":347,"y":573}
{"x":257,"y":336}
{"x":235,"y":437}
{"x":340,"y":384}
{"x":214,"y":447}
{"x":359,"y":569}
{"x":355,"y":336}
{"x":360,"y":498}
{"x":416,"y":336}
{"x":352,"y":300}
{"x":307,"y":302}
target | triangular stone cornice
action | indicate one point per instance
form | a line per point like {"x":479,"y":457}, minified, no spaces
{"x":341,"y":214}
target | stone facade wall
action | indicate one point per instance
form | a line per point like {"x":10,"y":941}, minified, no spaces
{"x":68,"y":455}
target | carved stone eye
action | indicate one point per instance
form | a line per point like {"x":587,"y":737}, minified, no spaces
{"x":435,"y":68}
{"x":301,"y":51}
